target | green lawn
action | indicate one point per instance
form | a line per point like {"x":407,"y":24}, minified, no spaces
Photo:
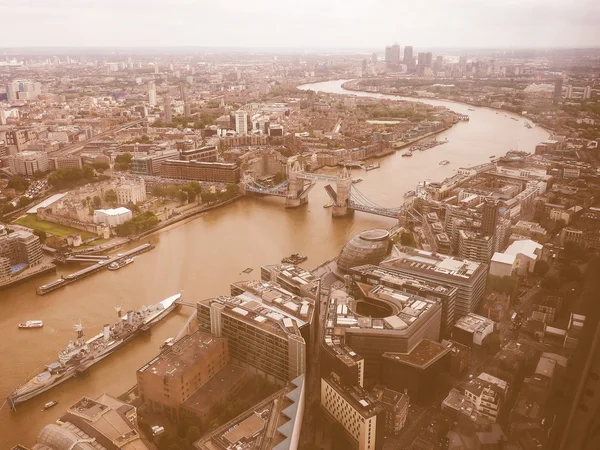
{"x":31,"y":221}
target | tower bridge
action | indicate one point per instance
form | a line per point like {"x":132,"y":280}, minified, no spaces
{"x":345,"y":196}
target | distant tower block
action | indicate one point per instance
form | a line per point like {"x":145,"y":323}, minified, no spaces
{"x":344,"y":183}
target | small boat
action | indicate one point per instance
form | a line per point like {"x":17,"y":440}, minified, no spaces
{"x":50,"y":404}
{"x":356,"y":180}
{"x":406,"y":154}
{"x":121,"y":263}
{"x":515,"y":119}
{"x":295,"y":258}
{"x":31,"y":324}
{"x":328,"y":205}
{"x":372,"y":166}
{"x":444,"y":162}
{"x":167,"y":344}
{"x":527,"y":125}
{"x":410,"y":193}
{"x":471,"y":109}
{"x":493,"y":156}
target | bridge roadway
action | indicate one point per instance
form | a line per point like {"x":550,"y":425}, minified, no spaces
{"x":372,"y":210}
{"x":101,"y":265}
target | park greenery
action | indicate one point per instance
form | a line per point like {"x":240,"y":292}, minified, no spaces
{"x":231,"y":190}
{"x":140,"y":223}
{"x":110,"y":197}
{"x":503,"y":285}
{"x":18,"y":183}
{"x":122,"y":161}
{"x":197,"y":121}
{"x":181,"y":193}
{"x":66,"y":178}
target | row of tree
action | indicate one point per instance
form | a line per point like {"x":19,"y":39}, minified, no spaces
{"x":189,"y":192}
{"x":140,"y":223}
{"x":63,"y":178}
{"x":211,"y":197}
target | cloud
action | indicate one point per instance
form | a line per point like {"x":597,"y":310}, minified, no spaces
{"x":300,"y":23}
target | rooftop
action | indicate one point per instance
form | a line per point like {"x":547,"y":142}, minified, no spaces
{"x":422,"y":356}
{"x":174,"y":361}
{"x":114,"y":211}
{"x":251,"y":308}
{"x":249,"y":428}
{"x":473,"y":323}
{"x":421,"y":262}
{"x":273,"y":294}
{"x":215,"y":389}
{"x":389,"y":275}
{"x":361,"y":400}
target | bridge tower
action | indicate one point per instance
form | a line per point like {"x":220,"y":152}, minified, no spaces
{"x":343,"y":185}
{"x":295,"y":187}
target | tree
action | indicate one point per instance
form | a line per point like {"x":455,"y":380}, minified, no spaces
{"x":541,"y":268}
{"x":573,"y":252}
{"x":193,"y":434}
{"x":38,"y":174}
{"x":88,"y":171}
{"x":100,"y":166}
{"x":407,"y":239}
{"x":181,"y":196}
{"x":122,"y":161}
{"x":110,"y":197}
{"x":41,"y":234}
{"x":550,"y":282}
{"x":569,"y":272}
{"x":97,"y":202}
{"x":492,"y":343}
{"x":18,"y":183}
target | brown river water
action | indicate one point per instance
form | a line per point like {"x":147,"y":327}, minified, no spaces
{"x":201,"y":256}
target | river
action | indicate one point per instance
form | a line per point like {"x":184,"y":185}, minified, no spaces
{"x":201,"y":256}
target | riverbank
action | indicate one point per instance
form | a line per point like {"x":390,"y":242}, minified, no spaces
{"x":28,"y":276}
{"x":353,"y":86}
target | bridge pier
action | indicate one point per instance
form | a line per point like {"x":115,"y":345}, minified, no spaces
{"x":341,"y":211}
{"x":295,"y":202}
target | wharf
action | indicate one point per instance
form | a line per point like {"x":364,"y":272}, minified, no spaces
{"x":102,"y":265}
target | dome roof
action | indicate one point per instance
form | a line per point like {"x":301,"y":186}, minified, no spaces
{"x":367,"y":247}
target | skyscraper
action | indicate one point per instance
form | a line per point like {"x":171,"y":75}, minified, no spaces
{"x":168,"y":115}
{"x":428,"y":59}
{"x":392,"y":54}
{"x":183,"y":93}
{"x":408,"y":55}
{"x":489,"y":217}
{"x":374,"y":58}
{"x":152,"y":94}
{"x":241,"y":122}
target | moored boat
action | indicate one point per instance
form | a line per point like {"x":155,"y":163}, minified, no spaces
{"x":31,"y":324}
{"x":356,"y":180}
{"x":50,"y":404}
{"x":119,"y":264}
{"x":444,"y":162}
{"x":80,"y":354}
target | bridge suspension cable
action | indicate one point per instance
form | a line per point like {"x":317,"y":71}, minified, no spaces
{"x":364,"y":200}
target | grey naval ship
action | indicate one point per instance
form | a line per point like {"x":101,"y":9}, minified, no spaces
{"x":80,"y":354}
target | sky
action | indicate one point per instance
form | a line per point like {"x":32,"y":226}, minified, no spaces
{"x":300,"y":23}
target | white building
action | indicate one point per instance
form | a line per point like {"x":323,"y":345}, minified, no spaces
{"x":131,"y":191}
{"x":112,"y":217}
{"x":241,"y":122}
{"x":486,"y":393}
{"x":28,"y":162}
{"x":520,"y":255}
{"x":502,"y":264}
{"x":151,"y":94}
{"x":353,"y":409}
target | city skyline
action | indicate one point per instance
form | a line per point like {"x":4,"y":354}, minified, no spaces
{"x":464,"y":23}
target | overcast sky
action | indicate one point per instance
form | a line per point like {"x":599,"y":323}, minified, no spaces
{"x":300,"y":23}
